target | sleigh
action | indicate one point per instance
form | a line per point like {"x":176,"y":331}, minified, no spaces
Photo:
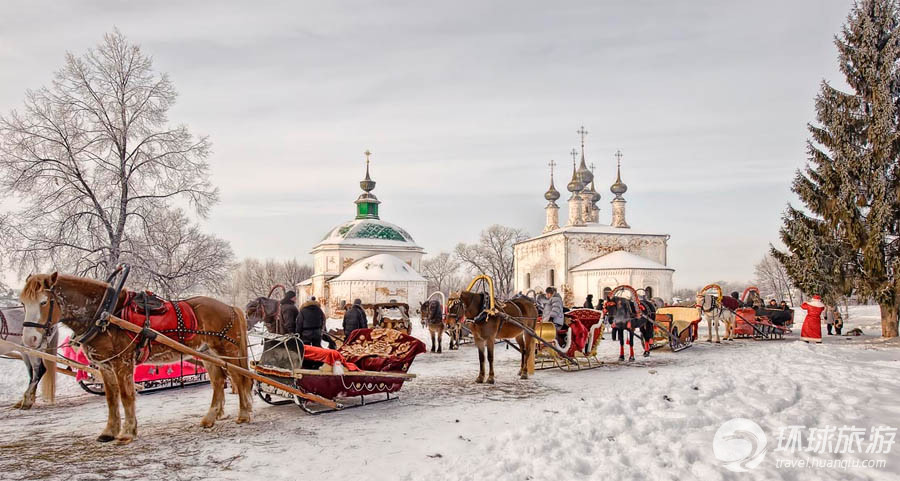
{"x":147,"y":377}
{"x":675,"y":327}
{"x":370,"y":367}
{"x":759,"y":322}
{"x":583,"y":336}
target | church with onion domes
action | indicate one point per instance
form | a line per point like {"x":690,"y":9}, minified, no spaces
{"x":365,"y":258}
{"x":585,"y":256}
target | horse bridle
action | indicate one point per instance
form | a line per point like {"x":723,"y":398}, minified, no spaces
{"x":46,"y":328}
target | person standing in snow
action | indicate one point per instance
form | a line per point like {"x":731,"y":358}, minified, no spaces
{"x":812,"y":325}
{"x":310,"y":323}
{"x":288,"y":313}
{"x":355,"y":318}
{"x":589,"y":301}
{"x":838,"y":321}
{"x":829,"y":319}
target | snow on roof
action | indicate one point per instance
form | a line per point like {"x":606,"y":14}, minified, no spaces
{"x":380,"y":267}
{"x":365,"y":232}
{"x":595,"y":229}
{"x":306,"y":282}
{"x":620,"y":260}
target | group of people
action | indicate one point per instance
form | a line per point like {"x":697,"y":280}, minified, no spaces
{"x":308,"y":321}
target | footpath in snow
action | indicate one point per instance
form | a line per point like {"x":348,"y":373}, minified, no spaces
{"x":655,"y":419}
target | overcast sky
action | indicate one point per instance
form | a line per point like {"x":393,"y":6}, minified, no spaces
{"x":464,"y":103}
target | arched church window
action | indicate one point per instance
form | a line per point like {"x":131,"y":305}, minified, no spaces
{"x":528,"y":280}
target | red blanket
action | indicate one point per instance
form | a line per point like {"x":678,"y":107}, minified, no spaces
{"x":328,"y":356}
{"x":168,"y":322}
{"x":381,"y":349}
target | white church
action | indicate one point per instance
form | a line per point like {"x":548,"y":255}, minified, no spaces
{"x":586,"y":257}
{"x":365,"y":258}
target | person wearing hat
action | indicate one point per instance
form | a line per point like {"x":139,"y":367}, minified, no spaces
{"x":812,"y":325}
{"x":310,"y":323}
{"x":288,"y":313}
{"x":355,"y":318}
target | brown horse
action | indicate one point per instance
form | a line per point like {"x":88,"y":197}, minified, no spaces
{"x":467,"y":305}
{"x":433,"y":318}
{"x":220,"y":327}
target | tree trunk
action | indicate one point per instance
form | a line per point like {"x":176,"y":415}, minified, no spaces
{"x":889,"y":320}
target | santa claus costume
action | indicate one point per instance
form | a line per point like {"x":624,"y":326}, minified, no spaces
{"x":812,"y":325}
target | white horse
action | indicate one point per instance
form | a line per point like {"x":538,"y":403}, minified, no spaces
{"x":40,"y":371}
{"x":713,"y":311}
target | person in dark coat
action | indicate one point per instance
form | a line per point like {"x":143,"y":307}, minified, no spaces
{"x":288,"y":312}
{"x":355,"y":318}
{"x":589,"y":301}
{"x":310,"y":323}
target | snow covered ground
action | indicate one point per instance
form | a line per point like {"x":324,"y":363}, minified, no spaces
{"x":652,"y":419}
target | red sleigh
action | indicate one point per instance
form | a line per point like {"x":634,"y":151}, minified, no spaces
{"x":372,"y":362}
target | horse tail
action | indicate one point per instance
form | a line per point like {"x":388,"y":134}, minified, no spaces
{"x":243,"y":339}
{"x":48,"y":381}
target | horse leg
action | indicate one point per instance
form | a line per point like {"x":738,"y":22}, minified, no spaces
{"x":479,"y":346}
{"x":440,"y":338}
{"x":490,"y":355}
{"x":111,"y":390}
{"x":716,"y":321}
{"x":36,"y":370}
{"x":709,"y":328}
{"x":216,"y":406}
{"x":244,"y":386}
{"x":431,"y":332}
{"x":621,"y":333}
{"x":523,"y":370}
{"x":631,"y":344}
{"x":124,"y":370}
{"x":647,"y":332}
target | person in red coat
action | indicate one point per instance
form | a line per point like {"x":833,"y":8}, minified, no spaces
{"x":812,"y":325}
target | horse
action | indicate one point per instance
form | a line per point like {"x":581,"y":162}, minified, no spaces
{"x":267,"y":311}
{"x":40,"y":371}
{"x":713,"y":311}
{"x":433,"y":317}
{"x":622,"y":317}
{"x":465,"y":306}
{"x":222,"y":329}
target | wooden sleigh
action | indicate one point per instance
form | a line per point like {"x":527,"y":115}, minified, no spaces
{"x":591,"y":320}
{"x":384,"y":356}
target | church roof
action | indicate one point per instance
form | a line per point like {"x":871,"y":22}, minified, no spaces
{"x":369,"y":232}
{"x":594,"y":229}
{"x":380,"y":267}
{"x":620,"y":260}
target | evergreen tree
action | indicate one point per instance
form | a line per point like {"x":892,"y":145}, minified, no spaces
{"x":847,"y":237}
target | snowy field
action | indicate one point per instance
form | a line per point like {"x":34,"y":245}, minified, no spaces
{"x":654,"y":419}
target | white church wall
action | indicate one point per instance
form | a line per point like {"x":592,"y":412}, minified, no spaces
{"x":585,"y":247}
{"x":594,"y":282}
{"x":536,"y":259}
{"x":373,"y":292}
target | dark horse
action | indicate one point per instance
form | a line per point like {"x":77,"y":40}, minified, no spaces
{"x":465,"y":306}
{"x":433,"y":318}
{"x":623,"y":314}
{"x":221,"y":328}
{"x":267,"y":311}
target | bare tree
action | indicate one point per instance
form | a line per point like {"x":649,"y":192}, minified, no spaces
{"x":493,"y":255}
{"x":179,"y":259}
{"x":254,"y":278}
{"x":441,"y":271}
{"x":95,"y":165}
{"x":772,"y":279}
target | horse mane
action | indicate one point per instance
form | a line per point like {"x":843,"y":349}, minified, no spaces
{"x":34,"y":284}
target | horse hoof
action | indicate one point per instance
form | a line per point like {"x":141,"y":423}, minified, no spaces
{"x":207,"y":423}
{"x":621,"y":358}
{"x":122,"y":441}
{"x":105,"y":438}
{"x":242,"y":419}
{"x":718,"y":342}
{"x":647,"y":354}
{"x":523,"y":376}
{"x":630,"y":358}
{"x":22,"y":405}
{"x":479,"y":380}
{"x":490,"y":380}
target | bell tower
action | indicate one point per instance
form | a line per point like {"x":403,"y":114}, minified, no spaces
{"x":618,"y":203}
{"x":552,"y":195}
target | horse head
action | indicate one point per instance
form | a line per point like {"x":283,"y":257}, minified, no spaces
{"x":431,"y":311}
{"x":262,"y":309}
{"x":464,"y":304}
{"x":53,"y":298}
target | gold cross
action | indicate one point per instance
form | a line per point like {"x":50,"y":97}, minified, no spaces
{"x":574,"y":155}
{"x":367,"y":156}
{"x":552,"y":164}
{"x":582,"y":133}
{"x":618,"y":158}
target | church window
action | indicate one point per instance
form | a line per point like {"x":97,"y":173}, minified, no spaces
{"x":552,"y":277}
{"x":528,"y":280}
